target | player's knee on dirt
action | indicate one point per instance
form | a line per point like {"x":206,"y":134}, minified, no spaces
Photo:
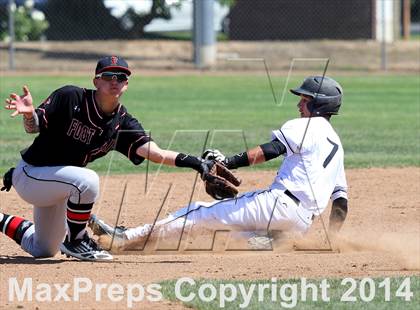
{"x":46,"y":248}
{"x":44,"y":252}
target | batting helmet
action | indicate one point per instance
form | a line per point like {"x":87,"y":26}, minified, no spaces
{"x":326,"y":94}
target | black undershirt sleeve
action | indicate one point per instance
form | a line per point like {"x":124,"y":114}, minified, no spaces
{"x":273,"y":149}
{"x":338,"y":214}
{"x":236,"y":161}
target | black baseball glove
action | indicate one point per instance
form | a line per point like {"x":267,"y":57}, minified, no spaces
{"x":7,"y":180}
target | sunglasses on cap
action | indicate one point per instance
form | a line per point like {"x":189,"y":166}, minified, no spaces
{"x":109,"y":76}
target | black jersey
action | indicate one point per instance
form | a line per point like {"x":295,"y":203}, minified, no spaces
{"x":74,"y":132}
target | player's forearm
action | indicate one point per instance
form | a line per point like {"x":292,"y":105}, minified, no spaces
{"x":154,"y":153}
{"x":31,"y":122}
{"x":168,"y":157}
{"x":171,"y":158}
{"x":165,"y":157}
{"x":257,"y":155}
{"x":250,"y":157}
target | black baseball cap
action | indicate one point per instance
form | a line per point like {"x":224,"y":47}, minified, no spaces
{"x":112,"y":63}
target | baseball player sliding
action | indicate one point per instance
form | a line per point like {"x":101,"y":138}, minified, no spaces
{"x":75,"y":126}
{"x":311,"y":173}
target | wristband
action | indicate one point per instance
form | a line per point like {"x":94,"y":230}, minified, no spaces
{"x":236,"y":161}
{"x":188,"y":161}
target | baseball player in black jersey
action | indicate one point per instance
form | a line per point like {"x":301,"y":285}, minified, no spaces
{"x":75,"y":126}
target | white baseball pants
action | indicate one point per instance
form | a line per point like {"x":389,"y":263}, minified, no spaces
{"x":261,"y":210}
{"x":48,"y":189}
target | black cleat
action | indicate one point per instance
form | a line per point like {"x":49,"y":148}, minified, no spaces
{"x":84,"y":249}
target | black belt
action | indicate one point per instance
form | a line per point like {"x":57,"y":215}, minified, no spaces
{"x":291,"y":196}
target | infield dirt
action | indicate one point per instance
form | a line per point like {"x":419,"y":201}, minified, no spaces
{"x":381,"y":237}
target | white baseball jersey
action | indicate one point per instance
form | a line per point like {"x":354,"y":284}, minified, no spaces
{"x":313,"y":168}
{"x":318,"y":160}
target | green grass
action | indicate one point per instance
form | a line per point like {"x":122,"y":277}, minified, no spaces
{"x":285,"y":298}
{"x":415,"y":36}
{"x":378,"y":125}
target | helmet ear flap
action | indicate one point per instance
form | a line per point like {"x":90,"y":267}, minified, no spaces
{"x":311,"y":105}
{"x":325,"y":105}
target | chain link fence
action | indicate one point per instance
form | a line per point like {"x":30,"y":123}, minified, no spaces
{"x":56,"y":35}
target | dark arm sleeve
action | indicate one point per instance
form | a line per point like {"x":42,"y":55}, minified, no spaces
{"x":56,"y":108}
{"x":270,"y":150}
{"x":338,"y":214}
{"x":130,"y":137}
{"x":273,"y":149}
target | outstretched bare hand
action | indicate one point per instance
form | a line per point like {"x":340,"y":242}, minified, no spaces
{"x":21,"y":104}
